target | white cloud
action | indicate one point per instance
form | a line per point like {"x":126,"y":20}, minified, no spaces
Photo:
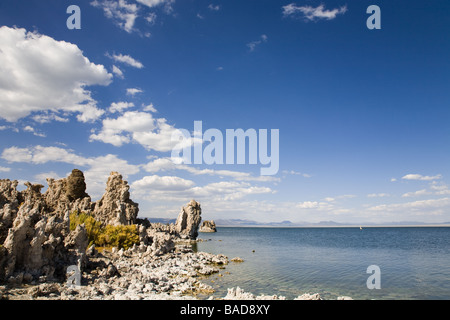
{"x":48,"y":117}
{"x":131,"y":121}
{"x":308,"y":205}
{"x":173,"y":188}
{"x":421,"y":177}
{"x":40,"y":74}
{"x":166,"y":164}
{"x":416,"y":193}
{"x":120,"y":106}
{"x":378,"y":195}
{"x":128,"y":60}
{"x":5,"y":169}
{"x":150,"y":108}
{"x":141,"y":127}
{"x":154,"y":3}
{"x":133,"y":91}
{"x":252,"y":45}
{"x":228,"y":190}
{"x":296,"y":173}
{"x":41,"y":155}
{"x":121,"y":12}
{"x":311,"y":13}
{"x":439,"y":189}
{"x":118,"y":72}
{"x":166,"y":183}
{"x":33,"y":131}
{"x":213,"y":7}
{"x":42,"y":177}
{"x":151,"y":18}
{"x":433,"y":206}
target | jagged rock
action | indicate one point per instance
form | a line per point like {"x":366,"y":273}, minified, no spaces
{"x":188,"y":220}
{"x":68,"y":194}
{"x":35,"y":244}
{"x":162,"y":243}
{"x":39,"y":246}
{"x":77,"y":239}
{"x":208,"y":226}
{"x":10,"y":200}
{"x":116,"y":207}
{"x":76,"y":186}
{"x":44,"y":289}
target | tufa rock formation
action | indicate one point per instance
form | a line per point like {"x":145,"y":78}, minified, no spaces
{"x":68,"y":194}
{"x":116,"y":207}
{"x":76,"y":186}
{"x":208,"y":226}
{"x":37,"y":244}
{"x":188,"y":220}
{"x":34,"y":245}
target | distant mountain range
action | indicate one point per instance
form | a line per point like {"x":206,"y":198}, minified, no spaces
{"x":287,"y":223}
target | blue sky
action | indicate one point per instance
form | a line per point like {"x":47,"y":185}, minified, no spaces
{"x":363,"y":114}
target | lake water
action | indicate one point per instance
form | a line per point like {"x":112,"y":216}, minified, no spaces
{"x":414,"y":261}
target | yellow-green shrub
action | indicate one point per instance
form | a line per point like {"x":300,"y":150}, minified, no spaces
{"x":93,"y":227}
{"x":105,"y":236}
{"x":118,"y":236}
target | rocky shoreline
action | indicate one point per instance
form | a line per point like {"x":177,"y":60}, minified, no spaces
{"x":47,"y":254}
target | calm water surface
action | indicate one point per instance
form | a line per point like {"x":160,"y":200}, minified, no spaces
{"x":414,"y":262}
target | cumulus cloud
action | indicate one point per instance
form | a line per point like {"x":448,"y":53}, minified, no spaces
{"x":137,"y":126}
{"x":171,"y":183}
{"x":312,"y":13}
{"x":120,"y":106}
{"x":38,"y":73}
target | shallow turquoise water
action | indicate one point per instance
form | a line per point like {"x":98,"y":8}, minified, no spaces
{"x":414,"y":262}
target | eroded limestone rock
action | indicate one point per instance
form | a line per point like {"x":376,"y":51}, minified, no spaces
{"x":208,"y":226}
{"x":189,"y":220}
{"x":116,"y":207}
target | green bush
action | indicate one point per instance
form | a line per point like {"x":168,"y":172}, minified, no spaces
{"x":119,"y":236}
{"x":93,"y":227}
{"x":105,"y":236}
